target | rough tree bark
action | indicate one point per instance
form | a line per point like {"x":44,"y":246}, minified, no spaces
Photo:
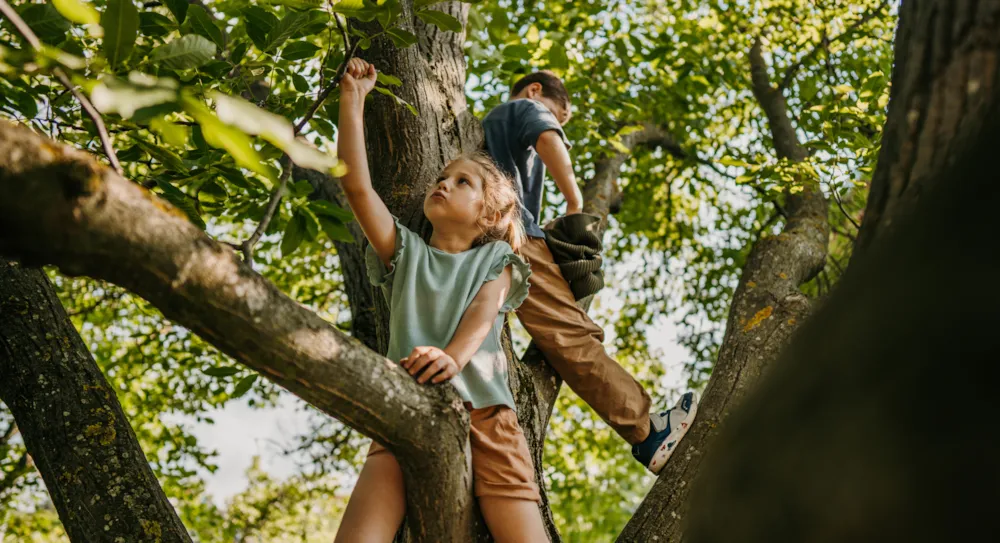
{"x":878,"y":423}
{"x":72,"y":424}
{"x":944,"y":79}
{"x":767,"y":307}
{"x":60,"y":206}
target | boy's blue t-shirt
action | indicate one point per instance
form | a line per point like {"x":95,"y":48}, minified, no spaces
{"x":511,"y":130}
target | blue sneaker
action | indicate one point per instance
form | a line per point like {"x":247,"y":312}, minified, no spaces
{"x":665,"y":431}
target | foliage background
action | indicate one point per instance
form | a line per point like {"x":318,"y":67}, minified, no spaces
{"x":673,"y":253}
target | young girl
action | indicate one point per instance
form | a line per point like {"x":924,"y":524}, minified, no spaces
{"x":447,"y":301}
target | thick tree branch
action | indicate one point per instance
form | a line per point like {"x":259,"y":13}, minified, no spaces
{"x":59,"y":206}
{"x":72,"y":424}
{"x":825,"y":43}
{"x":600,"y":192}
{"x":25,"y":31}
{"x":767,"y":307}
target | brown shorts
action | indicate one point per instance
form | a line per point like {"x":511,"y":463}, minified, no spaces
{"x":501,"y":462}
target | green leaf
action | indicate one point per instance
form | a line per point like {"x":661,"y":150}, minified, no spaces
{"x":388,"y":12}
{"x":299,"y":50}
{"x":155,"y":25}
{"x":400,"y":37}
{"x":77,"y":11}
{"x":203,"y":24}
{"x":418,"y":4}
{"x":286,"y":27}
{"x":298,"y":4}
{"x":351,"y":8}
{"x":112,"y":95}
{"x":167,"y":158}
{"x":121,"y":27}
{"x":222,"y":136}
{"x":300,"y":188}
{"x":181,"y":201}
{"x":258,"y":22}
{"x":388,"y":80}
{"x":295,"y":233}
{"x":558,"y":59}
{"x":398,"y":100}
{"x":517,"y":51}
{"x":300,"y":83}
{"x":730,"y":161}
{"x":173,"y":133}
{"x":225,"y":371}
{"x":244,"y":386}
{"x":188,"y":51}
{"x":440,"y":19}
{"x":179,"y":8}
{"x":46,"y":22}
{"x":276,"y":129}
{"x":330,"y":209}
{"x":335,"y":229}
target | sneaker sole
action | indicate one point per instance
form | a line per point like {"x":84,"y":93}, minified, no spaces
{"x":667,"y":448}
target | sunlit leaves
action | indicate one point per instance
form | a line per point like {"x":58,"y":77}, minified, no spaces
{"x":77,"y":11}
{"x":121,"y":26}
{"x":274,"y":128}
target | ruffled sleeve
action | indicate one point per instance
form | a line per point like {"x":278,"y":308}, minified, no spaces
{"x":504,"y":256}
{"x":378,"y":273}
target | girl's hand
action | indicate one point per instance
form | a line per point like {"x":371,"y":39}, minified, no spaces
{"x":358,"y":80}
{"x":434,"y":362}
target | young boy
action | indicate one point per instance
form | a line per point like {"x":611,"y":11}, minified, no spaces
{"x":524,"y":136}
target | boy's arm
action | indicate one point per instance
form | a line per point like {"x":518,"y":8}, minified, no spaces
{"x":372,"y":214}
{"x":555,"y":156}
{"x":478,"y":319}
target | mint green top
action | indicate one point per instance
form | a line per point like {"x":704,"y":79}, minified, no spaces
{"x":428,"y":291}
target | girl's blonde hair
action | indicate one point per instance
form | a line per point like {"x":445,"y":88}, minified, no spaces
{"x":501,"y":218}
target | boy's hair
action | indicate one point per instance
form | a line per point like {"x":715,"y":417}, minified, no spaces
{"x":501,"y":220}
{"x":552,"y":86}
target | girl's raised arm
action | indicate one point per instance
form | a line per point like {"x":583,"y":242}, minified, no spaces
{"x":372,"y":214}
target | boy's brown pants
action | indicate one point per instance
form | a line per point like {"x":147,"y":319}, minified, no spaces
{"x":573,"y":345}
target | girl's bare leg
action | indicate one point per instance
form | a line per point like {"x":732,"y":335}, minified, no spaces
{"x":513,"y":521}
{"x":377,"y":505}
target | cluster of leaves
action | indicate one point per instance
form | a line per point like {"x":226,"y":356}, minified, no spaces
{"x":201,"y":98}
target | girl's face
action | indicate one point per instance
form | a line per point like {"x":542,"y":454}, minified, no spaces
{"x":456,"y":199}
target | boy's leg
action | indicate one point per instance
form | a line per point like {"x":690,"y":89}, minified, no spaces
{"x":573,"y":344}
{"x":504,"y":477}
{"x":378,"y":503}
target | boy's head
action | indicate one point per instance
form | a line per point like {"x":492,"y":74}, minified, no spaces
{"x":547,"y":88}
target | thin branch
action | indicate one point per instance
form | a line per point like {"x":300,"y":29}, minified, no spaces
{"x":349,"y":54}
{"x":9,"y":433}
{"x":840,"y":204}
{"x":825,"y":42}
{"x":847,"y":235}
{"x":25,"y":31}
{"x":272,"y":205}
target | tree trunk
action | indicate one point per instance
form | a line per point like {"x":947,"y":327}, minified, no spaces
{"x":878,"y":423}
{"x":944,"y":80}
{"x":72,"y":425}
{"x":767,"y":307}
